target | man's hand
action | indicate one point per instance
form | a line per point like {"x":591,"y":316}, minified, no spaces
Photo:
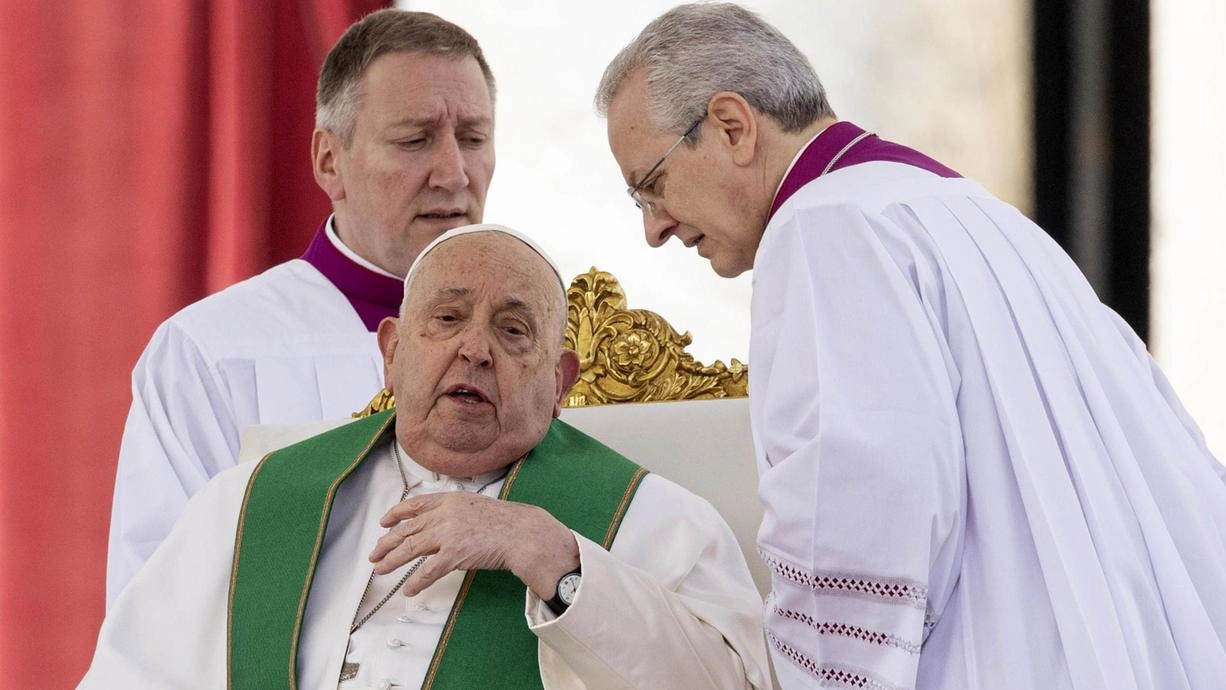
{"x":464,"y":531}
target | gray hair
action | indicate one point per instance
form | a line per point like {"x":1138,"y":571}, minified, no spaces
{"x":693,"y":52}
{"x":385,"y":31}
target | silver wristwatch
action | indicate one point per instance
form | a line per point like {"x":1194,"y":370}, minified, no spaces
{"x":568,"y":587}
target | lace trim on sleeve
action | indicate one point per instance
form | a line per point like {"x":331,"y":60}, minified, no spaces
{"x":852,"y":631}
{"x":831,"y":675}
{"x":844,"y":584}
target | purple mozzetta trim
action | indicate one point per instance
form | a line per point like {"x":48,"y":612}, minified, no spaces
{"x":827,"y":145}
{"x":372,"y":296}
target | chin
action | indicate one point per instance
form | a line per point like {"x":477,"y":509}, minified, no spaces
{"x":470,"y":457}
{"x":727,"y":269}
{"x":462,"y":463}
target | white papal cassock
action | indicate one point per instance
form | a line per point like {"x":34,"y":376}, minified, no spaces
{"x":670,"y":605}
{"x":974,"y":476}
{"x":286,"y":346}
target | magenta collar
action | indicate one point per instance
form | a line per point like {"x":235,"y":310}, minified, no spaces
{"x":825,"y":146}
{"x":373,"y":296}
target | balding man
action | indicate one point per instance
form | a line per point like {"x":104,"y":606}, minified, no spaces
{"x":508,"y":549}
{"x":973,"y":474}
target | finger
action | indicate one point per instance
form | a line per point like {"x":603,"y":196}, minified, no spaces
{"x":409,"y":549}
{"x":393,"y":537}
{"x":433,"y":569}
{"x":386,"y":544}
{"x":409,"y":508}
{"x":395,"y":557}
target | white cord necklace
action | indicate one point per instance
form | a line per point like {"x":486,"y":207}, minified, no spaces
{"x":404,"y":480}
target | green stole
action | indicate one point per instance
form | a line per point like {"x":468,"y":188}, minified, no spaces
{"x":485,"y":641}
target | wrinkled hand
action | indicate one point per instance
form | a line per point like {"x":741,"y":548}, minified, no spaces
{"x":465,"y":531}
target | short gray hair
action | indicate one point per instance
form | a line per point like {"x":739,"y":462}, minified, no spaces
{"x":385,"y":31}
{"x":693,"y":52}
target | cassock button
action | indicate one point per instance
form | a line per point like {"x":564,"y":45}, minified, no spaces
{"x":394,"y":642}
{"x":385,"y":684}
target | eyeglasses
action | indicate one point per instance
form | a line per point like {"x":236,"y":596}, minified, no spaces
{"x":636,"y":192}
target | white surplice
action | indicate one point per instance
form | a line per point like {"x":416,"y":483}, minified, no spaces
{"x":670,"y":605}
{"x":973,"y":474}
{"x":282,"y":347}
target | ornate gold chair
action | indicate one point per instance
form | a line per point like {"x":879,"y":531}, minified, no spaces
{"x":642,"y":394}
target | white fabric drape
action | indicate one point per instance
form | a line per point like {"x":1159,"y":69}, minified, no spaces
{"x":973,"y":473}
{"x":284,"y":346}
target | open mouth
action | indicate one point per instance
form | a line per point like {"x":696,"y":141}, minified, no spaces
{"x":444,"y":215}
{"x":467,"y":395}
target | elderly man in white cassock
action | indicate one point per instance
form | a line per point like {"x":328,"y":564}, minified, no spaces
{"x":463,"y":539}
{"x":404,"y":148}
{"x":973,"y":474}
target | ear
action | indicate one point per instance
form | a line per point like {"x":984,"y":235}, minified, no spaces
{"x":388,"y":335}
{"x":568,"y":373}
{"x":325,"y":151}
{"x":736,"y":125}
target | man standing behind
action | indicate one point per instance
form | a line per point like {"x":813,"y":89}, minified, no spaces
{"x":973,"y":474}
{"x":404,"y":148}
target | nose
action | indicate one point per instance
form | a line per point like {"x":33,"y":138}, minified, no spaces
{"x":658,"y":227}
{"x":475,"y":347}
{"x":447,"y":166}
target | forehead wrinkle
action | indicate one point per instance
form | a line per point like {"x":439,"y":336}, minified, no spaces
{"x":419,"y":302}
{"x":496,"y":248}
{"x":449,"y":292}
{"x":426,"y":121}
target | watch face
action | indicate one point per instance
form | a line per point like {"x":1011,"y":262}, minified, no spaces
{"x":568,"y":586}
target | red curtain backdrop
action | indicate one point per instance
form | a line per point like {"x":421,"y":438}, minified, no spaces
{"x":150,"y":153}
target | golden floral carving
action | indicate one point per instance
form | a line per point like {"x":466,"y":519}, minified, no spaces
{"x":383,"y":400}
{"x":634,"y":355}
{"x":626,"y":355}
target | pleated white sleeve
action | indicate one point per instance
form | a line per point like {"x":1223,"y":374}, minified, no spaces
{"x":180,"y":432}
{"x":282,"y":347}
{"x":852,"y":401}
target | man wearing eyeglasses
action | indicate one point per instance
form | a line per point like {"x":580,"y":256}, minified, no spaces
{"x":973,"y":474}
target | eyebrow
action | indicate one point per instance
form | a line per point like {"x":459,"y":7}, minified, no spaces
{"x":513,"y":303}
{"x":431,"y":120}
{"x":642,"y":182}
{"x":519,"y":304}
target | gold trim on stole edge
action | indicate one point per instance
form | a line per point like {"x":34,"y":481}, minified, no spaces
{"x":323,"y":526}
